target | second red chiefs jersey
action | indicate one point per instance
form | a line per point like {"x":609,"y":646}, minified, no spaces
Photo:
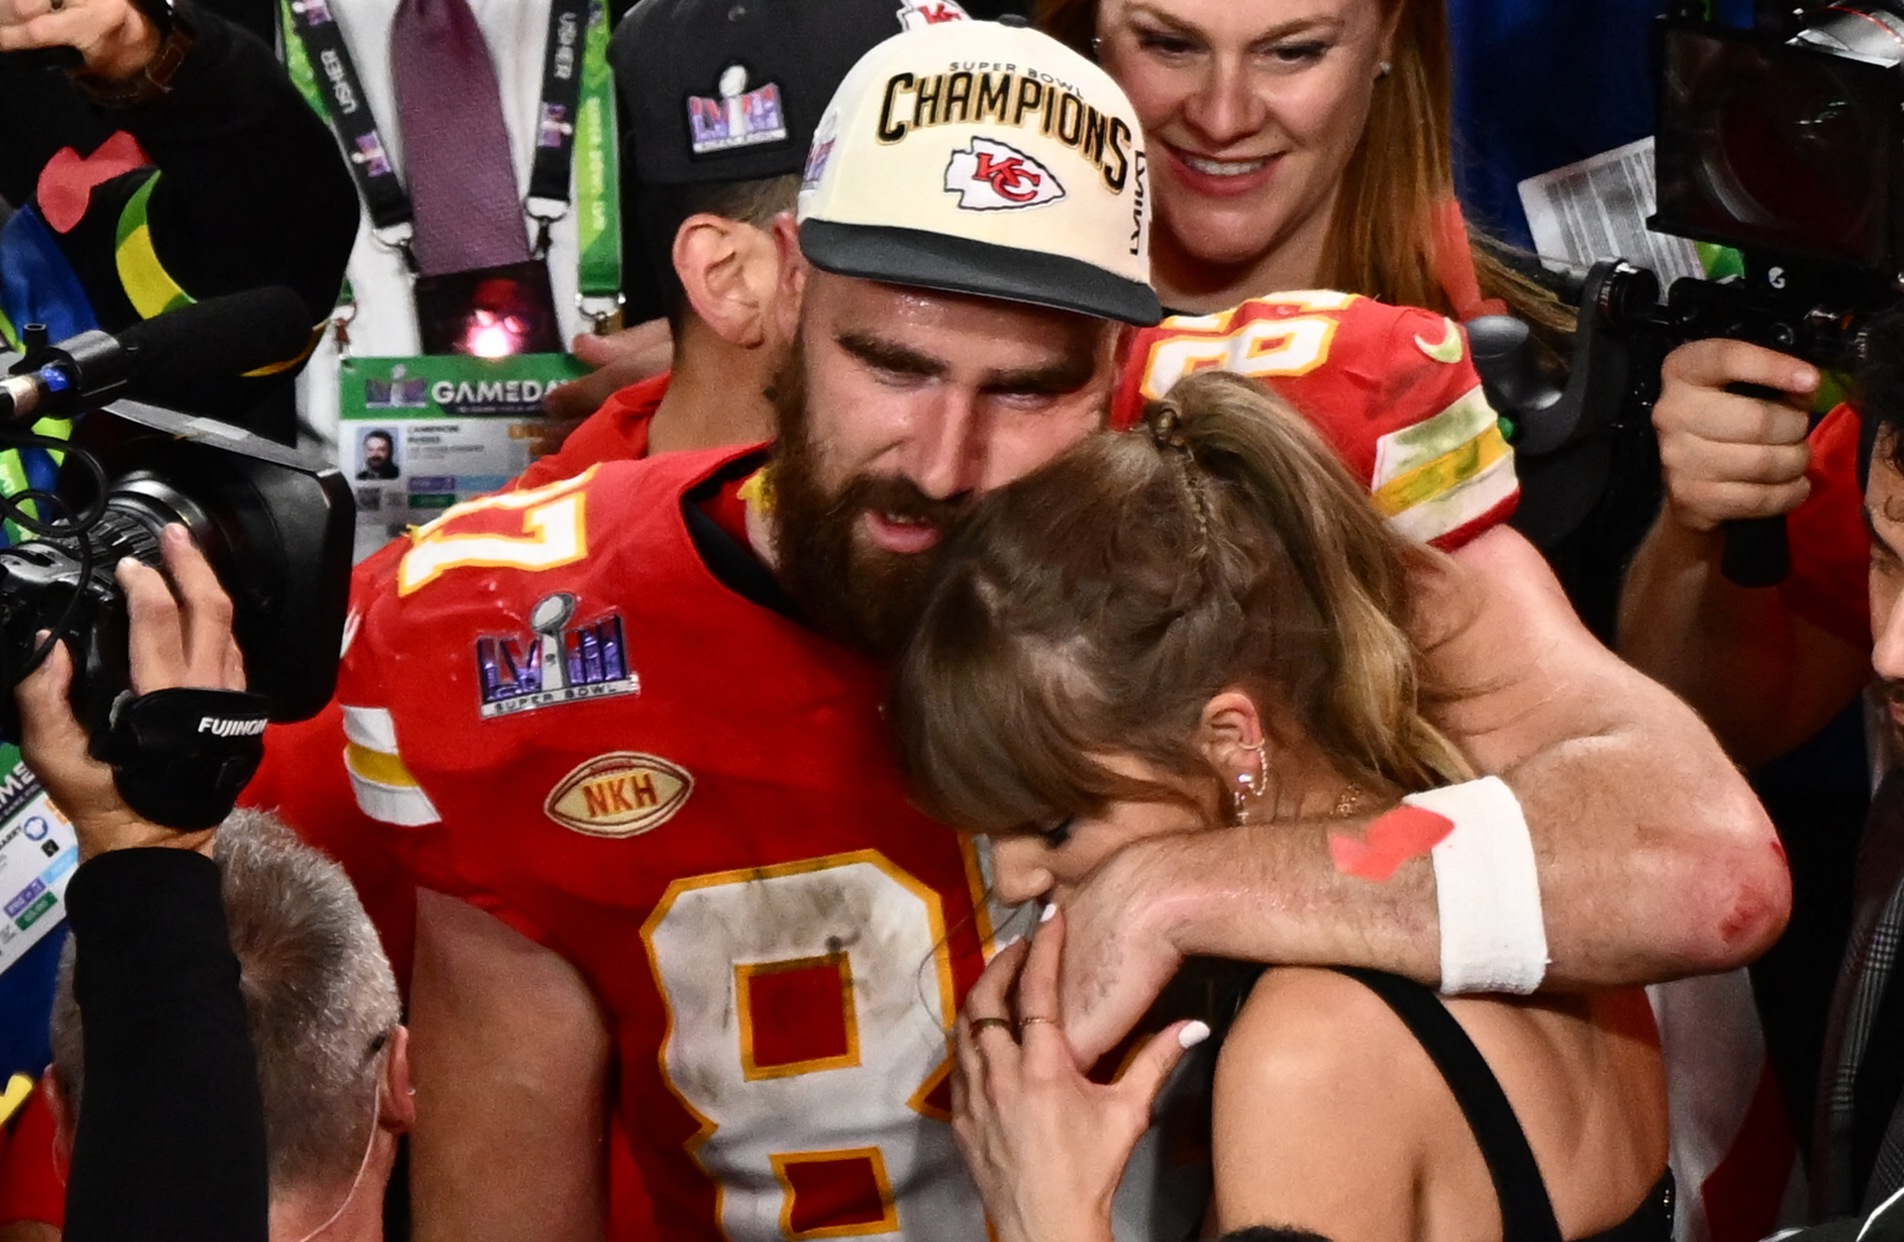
{"x":1393,"y":389}
{"x":562,"y":714}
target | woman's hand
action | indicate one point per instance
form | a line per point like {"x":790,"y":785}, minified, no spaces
{"x":1046,"y":1145}
{"x":112,"y":35}
{"x":182,"y":641}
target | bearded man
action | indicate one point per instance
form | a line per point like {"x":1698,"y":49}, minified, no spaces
{"x":624,"y":727}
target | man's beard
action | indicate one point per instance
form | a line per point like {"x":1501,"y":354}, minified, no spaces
{"x":850,"y":590}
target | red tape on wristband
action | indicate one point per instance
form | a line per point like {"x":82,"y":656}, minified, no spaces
{"x":1405,"y":833}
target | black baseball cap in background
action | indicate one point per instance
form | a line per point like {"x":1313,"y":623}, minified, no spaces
{"x":724,"y":91}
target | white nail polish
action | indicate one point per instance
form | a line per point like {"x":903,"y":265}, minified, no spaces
{"x":1192,"y":1035}
{"x":1045,"y":915}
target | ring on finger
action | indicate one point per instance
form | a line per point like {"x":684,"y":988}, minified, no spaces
{"x":979,"y":1024}
{"x":1034,"y":1020}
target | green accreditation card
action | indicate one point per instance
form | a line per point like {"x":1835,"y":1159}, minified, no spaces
{"x":38,"y":851}
{"x":417,"y":435}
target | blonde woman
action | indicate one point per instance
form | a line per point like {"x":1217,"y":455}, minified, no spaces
{"x":1163,"y":634}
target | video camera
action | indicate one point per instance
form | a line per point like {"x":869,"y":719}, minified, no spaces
{"x":276,"y":526}
{"x":1785,"y":142}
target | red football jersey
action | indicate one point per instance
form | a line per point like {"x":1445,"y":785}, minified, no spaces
{"x":616,"y":432}
{"x":563,"y":715}
{"x":1830,"y":582}
{"x":1393,"y":389}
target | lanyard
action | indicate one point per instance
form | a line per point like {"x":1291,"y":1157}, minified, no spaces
{"x":575,"y":114}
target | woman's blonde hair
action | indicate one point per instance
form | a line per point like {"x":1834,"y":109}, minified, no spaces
{"x":1383,"y":240}
{"x":1093,"y":608}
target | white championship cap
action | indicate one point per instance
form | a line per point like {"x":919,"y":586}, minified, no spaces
{"x":983,"y":158}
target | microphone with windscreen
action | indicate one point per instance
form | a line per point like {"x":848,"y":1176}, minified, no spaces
{"x":219,"y":337}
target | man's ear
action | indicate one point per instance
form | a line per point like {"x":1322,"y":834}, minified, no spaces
{"x":793,"y":274}
{"x":730,"y":271}
{"x":1230,"y":735}
{"x":396,"y":1103}
{"x":65,"y":1125}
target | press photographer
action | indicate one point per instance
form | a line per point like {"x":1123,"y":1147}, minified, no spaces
{"x":1788,"y":148}
{"x":166,"y":1047}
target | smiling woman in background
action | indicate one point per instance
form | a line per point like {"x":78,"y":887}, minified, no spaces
{"x":1298,"y":144}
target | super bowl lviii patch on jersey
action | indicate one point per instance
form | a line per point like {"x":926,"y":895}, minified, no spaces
{"x":619,"y":794}
{"x":555,"y":662}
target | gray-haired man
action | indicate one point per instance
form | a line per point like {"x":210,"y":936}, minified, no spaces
{"x":323,"y":1016}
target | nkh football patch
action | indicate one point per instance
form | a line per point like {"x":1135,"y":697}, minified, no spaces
{"x":619,"y":794}
{"x":556,"y":662}
{"x":736,"y":117}
{"x":990,"y":175}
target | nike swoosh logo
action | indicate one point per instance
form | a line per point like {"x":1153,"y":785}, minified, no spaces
{"x":1451,"y":350}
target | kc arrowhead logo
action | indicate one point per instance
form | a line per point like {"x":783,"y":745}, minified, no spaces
{"x":991,"y":176}
{"x":918,"y":14}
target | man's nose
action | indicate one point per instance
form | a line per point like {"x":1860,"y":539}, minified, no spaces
{"x":1887,"y":648}
{"x":1018,"y":870}
{"x":946,"y":452}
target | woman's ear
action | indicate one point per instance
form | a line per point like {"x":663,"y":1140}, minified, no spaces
{"x":730,"y":271}
{"x":1231,"y":735}
{"x":1391,"y":25}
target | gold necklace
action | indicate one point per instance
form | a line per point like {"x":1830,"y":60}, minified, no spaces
{"x":1346,"y":804}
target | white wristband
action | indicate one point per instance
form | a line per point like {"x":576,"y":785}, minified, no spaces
{"x":1487,"y":890}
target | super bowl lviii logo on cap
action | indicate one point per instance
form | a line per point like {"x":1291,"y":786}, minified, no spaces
{"x":981,"y":158}
{"x":736,"y":116}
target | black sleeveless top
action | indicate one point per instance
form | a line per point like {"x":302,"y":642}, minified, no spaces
{"x":1526,"y":1213}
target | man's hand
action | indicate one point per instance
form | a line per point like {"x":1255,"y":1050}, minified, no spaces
{"x":182,"y":641}
{"x":1656,"y":860}
{"x":1727,"y":456}
{"x":1764,"y":677}
{"x":113,"y":36}
{"x":1122,"y":950}
{"x":620,"y":359}
{"x":1046,"y":1145}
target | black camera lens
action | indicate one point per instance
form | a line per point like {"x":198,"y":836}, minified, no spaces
{"x":1777,"y":146}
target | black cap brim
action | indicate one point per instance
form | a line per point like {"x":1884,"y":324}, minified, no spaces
{"x":960,"y":265}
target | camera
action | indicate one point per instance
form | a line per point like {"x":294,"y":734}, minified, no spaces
{"x":1784,"y":142}
{"x":275,"y":526}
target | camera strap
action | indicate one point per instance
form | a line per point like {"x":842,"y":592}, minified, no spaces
{"x":575,"y":113}
{"x":181,"y":757}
